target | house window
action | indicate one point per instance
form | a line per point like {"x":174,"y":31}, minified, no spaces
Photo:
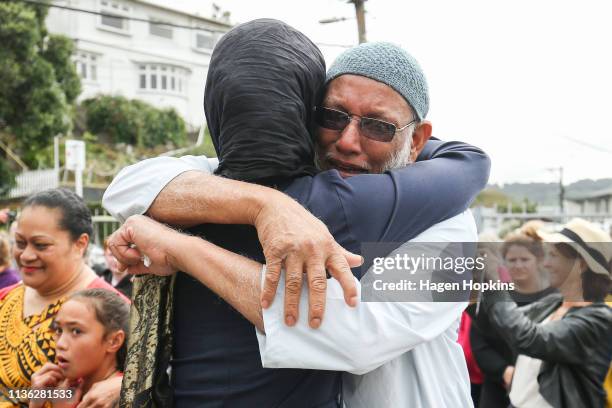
{"x":113,"y":21}
{"x":113,"y":16}
{"x":159,"y":29}
{"x":164,"y":78}
{"x":143,"y":77}
{"x":86,"y":65}
{"x":205,"y":40}
{"x":161,"y":78}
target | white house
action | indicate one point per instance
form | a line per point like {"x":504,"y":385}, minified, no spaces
{"x":596,"y":205}
{"x":120,"y":50}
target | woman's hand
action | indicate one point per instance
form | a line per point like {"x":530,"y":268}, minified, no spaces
{"x":507,"y":377}
{"x":75,"y":396}
{"x":48,"y":376}
{"x":103,"y":394}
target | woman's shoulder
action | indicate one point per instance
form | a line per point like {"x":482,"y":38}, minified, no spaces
{"x":600,"y":308}
{"x":598,"y":312}
{"x":8,"y":289}
{"x":543,"y":307}
{"x":99,"y":283}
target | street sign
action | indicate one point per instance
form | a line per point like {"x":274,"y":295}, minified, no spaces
{"x":75,"y":161}
{"x":75,"y":155}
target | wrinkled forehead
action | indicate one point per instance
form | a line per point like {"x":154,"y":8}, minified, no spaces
{"x":368,"y":96}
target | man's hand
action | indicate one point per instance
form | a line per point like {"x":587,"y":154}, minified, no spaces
{"x":492,"y":263}
{"x":292,"y":237}
{"x":141,"y":236}
{"x":103,"y":394}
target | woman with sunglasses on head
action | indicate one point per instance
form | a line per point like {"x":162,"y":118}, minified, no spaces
{"x":51,"y":239}
{"x":563,"y":340}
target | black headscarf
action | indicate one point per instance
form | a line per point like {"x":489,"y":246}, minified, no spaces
{"x":264,"y":79}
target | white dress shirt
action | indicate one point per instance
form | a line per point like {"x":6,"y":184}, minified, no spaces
{"x":400,"y":354}
{"x":135,"y":187}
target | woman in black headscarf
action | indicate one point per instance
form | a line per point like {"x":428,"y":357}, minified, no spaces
{"x":259,"y":101}
{"x":263,"y":82}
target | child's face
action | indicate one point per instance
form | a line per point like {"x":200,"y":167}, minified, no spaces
{"x":81,"y":345}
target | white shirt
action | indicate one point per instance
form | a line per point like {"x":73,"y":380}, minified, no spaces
{"x":525,"y":390}
{"x":135,"y":187}
{"x":400,"y":354}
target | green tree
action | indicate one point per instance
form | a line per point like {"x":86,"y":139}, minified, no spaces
{"x":38,"y":82}
{"x":7,"y":178}
{"x":116,"y":119}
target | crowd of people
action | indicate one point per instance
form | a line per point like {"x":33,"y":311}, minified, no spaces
{"x":546,"y":343}
{"x":61,"y":325}
{"x":212,"y":254}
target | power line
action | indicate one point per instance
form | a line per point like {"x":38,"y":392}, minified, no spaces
{"x":589,"y":145}
{"x":144,"y":20}
{"x":99,"y":13}
{"x":42,"y":3}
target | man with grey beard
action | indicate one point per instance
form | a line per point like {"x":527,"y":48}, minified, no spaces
{"x":371,"y":120}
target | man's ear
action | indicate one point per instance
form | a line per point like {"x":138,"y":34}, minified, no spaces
{"x":420,"y":136}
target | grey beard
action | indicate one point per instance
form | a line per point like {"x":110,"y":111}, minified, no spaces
{"x":399,"y":158}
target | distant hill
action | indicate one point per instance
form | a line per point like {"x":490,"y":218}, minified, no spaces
{"x":548,"y":193}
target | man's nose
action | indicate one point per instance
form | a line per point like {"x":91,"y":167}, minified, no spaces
{"x":349,"y":142}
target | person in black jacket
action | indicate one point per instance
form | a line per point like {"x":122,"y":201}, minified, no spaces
{"x":523,"y":253}
{"x":563,"y":340}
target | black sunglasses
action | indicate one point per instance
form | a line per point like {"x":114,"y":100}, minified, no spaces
{"x":374,"y":129}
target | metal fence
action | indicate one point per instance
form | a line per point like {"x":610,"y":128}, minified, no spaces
{"x":32,"y":181}
{"x":103,"y":225}
{"x":490,"y":219}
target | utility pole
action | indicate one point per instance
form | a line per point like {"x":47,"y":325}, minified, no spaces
{"x":360,"y":13}
{"x":561,"y":190}
{"x":561,"y":187}
{"x":359,"y":16}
